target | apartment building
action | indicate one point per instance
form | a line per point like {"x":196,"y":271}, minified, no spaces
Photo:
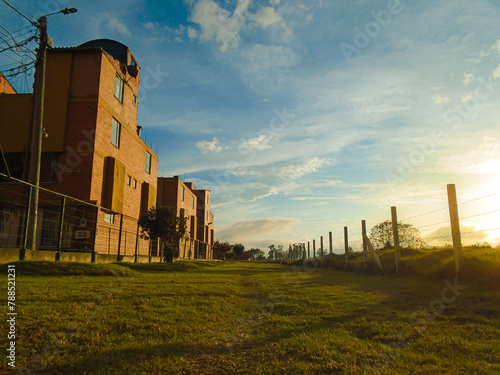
{"x":93,"y":149}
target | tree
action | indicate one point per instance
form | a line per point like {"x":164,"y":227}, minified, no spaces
{"x":222,"y":249}
{"x":272,"y":253}
{"x":162,"y":223}
{"x":382,"y":238}
{"x":238,"y":249}
{"x":257,"y":254}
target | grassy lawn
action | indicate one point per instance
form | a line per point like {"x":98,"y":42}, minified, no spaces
{"x":248,"y":318}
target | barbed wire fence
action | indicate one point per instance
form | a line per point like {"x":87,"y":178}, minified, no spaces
{"x":443,"y":227}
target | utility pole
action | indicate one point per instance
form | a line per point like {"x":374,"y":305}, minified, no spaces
{"x":36,"y":131}
{"x":37,"y":128}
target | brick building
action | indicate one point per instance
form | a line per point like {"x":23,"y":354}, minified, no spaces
{"x":93,"y":151}
{"x":193,"y":205}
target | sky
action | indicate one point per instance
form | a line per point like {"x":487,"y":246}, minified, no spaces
{"x":306,"y":117}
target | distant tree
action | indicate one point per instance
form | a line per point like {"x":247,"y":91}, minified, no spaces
{"x":222,"y":249}
{"x":271,"y":255}
{"x":238,"y":249}
{"x":162,"y":223}
{"x":257,"y":254}
{"x":382,"y":238}
{"x":280,"y":253}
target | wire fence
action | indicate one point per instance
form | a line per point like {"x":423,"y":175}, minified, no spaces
{"x":435,"y":223}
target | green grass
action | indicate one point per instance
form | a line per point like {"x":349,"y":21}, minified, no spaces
{"x":247,"y":318}
{"x":480,"y":265}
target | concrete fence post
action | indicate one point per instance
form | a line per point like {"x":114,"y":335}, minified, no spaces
{"x":331,"y":243}
{"x":314,"y":249}
{"x":395,"y":235}
{"x":321,"y":251}
{"x":363,"y":231}
{"x":455,"y":226}
{"x":346,"y":246}
{"x":308,"y":250}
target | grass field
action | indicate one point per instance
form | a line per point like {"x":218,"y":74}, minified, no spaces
{"x":248,"y":318}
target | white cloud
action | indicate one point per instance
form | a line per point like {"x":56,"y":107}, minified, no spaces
{"x":218,"y":24}
{"x":115,"y":25}
{"x":266,"y":16}
{"x":442,"y":236}
{"x":242,"y":230}
{"x":192,"y":33}
{"x":209,"y":147}
{"x":468,"y":78}
{"x":441,"y":99}
{"x":496,"y":72}
{"x":259,"y":143}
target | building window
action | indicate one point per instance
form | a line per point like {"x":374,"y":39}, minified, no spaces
{"x":192,"y":203}
{"x":15,"y":162}
{"x":119,"y":88}
{"x":148,"y":162}
{"x":135,"y":183}
{"x":134,"y":100}
{"x":129,"y":180}
{"x":182,"y":193}
{"x":109,"y":218}
{"x":115,"y":132}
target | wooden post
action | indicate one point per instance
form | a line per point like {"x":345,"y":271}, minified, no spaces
{"x":346,"y":246}
{"x":331,"y":244}
{"x":455,"y":226}
{"x":314,"y":249}
{"x":374,"y":253}
{"x":365,"y":255}
{"x":321,"y":251}
{"x":308,"y":250}
{"x":395,"y":235}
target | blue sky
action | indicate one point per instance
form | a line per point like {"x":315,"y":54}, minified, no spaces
{"x":305,"y":117}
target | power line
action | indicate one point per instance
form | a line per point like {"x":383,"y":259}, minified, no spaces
{"x":18,"y":12}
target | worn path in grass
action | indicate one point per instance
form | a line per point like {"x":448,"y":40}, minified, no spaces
{"x":248,"y":318}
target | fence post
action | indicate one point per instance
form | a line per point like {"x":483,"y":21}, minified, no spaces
{"x":136,"y":242}
{"x":455,"y":226}
{"x":120,"y":237}
{"x":331,"y":244}
{"x":321,"y":251}
{"x":346,"y":245}
{"x":395,"y":235}
{"x":61,"y":228}
{"x":365,"y":255}
{"x":314,"y":249}
{"x":308,"y":250}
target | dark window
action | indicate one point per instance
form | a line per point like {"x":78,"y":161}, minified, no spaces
{"x":48,"y":167}
{"x":115,"y":133}
{"x":15,"y":162}
{"x":119,"y":88}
